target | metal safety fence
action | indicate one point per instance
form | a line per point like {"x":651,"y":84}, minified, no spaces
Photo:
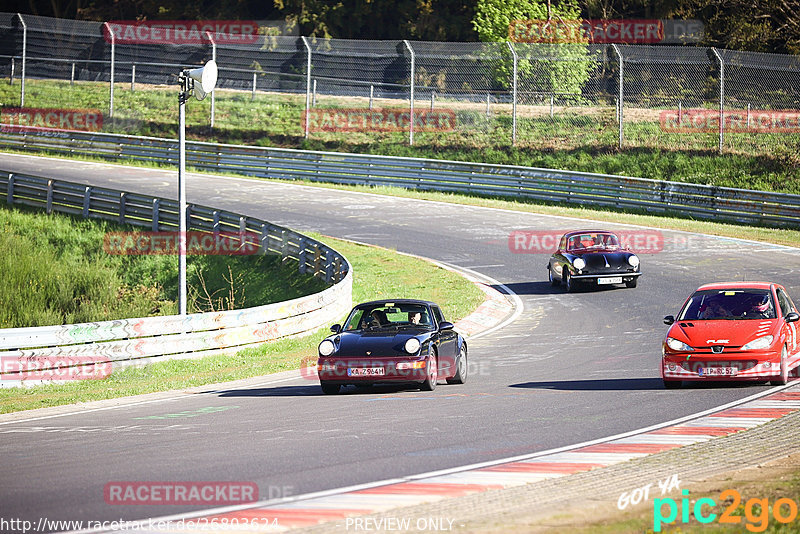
{"x":587,"y":189}
{"x":538,"y":95}
{"x":29,"y":354}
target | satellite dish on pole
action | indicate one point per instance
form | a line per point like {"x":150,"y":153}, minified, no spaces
{"x":205,"y":79}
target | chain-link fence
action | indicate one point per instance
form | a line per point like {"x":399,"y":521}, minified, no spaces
{"x":565,"y":95}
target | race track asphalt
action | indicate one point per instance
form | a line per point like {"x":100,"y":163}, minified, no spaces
{"x":573,"y":367}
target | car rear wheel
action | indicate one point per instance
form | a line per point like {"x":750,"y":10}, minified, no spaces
{"x":330,"y":389}
{"x":672,"y":384}
{"x":569,"y":285}
{"x":432,"y":373}
{"x":553,"y":280}
{"x":632,"y":282}
{"x":784,"y":376}
{"x":461,"y":368}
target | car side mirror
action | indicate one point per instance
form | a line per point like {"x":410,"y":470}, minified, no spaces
{"x":336,"y":328}
{"x":791,"y":317}
{"x":669,"y":319}
{"x":445,"y":325}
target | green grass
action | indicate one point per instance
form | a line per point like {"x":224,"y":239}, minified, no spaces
{"x":580,"y":139}
{"x":378,"y":273}
{"x":56,"y":271}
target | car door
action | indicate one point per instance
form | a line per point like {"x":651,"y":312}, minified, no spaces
{"x":786,"y":306}
{"x":448,"y":344}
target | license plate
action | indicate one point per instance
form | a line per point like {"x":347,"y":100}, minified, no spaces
{"x":366,"y":371}
{"x":611,"y":280}
{"x":718,"y":371}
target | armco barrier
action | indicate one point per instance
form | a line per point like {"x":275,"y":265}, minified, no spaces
{"x":125,"y":341}
{"x":588,"y":189}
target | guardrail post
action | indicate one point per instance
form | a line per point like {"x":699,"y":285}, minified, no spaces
{"x":156,"y":214}
{"x":111,"y":87}
{"x":24,"y":58}
{"x":513,"y":96}
{"x":308,"y":85}
{"x":301,"y":255}
{"x":284,"y":244}
{"x":122,"y":200}
{"x":87,"y":199}
{"x":242,"y":231}
{"x":411,"y":96}
{"x":10,"y":189}
{"x":620,"y":94}
{"x":49,"y":196}
{"x":264,"y":242}
{"x":328,"y":268}
{"x":721,"y":97}
{"x":213,"y":93}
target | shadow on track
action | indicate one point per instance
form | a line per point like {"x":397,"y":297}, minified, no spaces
{"x":544,"y":288}
{"x":620,"y":384}
{"x":315,"y":391}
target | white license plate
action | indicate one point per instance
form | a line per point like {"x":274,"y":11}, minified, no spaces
{"x":366,"y":371}
{"x":718,"y":371}
{"x":611,"y":280}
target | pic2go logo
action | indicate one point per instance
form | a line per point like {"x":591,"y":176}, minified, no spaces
{"x":756,"y":511}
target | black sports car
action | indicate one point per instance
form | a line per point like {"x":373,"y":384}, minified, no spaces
{"x":592,"y":257}
{"x":392,"y":341}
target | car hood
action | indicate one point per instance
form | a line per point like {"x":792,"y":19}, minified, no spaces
{"x":734,"y":333}
{"x":386,"y":343}
{"x":599,"y":259}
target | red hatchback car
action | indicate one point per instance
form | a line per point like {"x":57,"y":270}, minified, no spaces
{"x":732,"y":331}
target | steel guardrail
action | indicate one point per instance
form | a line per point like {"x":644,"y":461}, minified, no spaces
{"x":530,"y":183}
{"x":127,"y":341}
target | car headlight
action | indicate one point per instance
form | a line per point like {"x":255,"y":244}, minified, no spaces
{"x":326,"y":348}
{"x":412,"y":345}
{"x":578,"y":263}
{"x":674,"y":344}
{"x":758,"y":343}
{"x":633,"y":259}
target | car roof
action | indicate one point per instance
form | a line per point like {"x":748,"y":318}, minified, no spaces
{"x":736,"y":285}
{"x":575,"y":232}
{"x":397,"y":301}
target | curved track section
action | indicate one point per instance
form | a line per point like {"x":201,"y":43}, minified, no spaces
{"x":572,"y":368}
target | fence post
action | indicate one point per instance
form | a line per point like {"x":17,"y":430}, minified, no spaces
{"x":513,"y":96}
{"x":620,"y":94}
{"x":721,"y":98}
{"x":411,"y":96}
{"x":49,"y":209}
{"x":488,"y":97}
{"x":11,"y":76}
{"x":133,"y":77}
{"x":72,"y":75}
{"x":111,"y":85}
{"x":314,"y":94}
{"x":213,"y":93}
{"x":308,"y":83}
{"x":24,"y":58}
{"x":253,"y":95}
{"x":371,"y":92}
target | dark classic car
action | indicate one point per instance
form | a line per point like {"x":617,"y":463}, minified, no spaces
{"x":392,"y":341}
{"x":592,"y":257}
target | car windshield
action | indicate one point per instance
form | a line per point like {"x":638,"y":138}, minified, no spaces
{"x":388,"y":315}
{"x":729,"y":304}
{"x":592,"y":241}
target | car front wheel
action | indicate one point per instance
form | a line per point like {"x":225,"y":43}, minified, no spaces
{"x":783,"y":378}
{"x":330,"y":389}
{"x":461,"y":368}
{"x":569,"y":285}
{"x":432,"y":373}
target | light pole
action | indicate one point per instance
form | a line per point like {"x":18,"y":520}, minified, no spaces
{"x":199,"y":82}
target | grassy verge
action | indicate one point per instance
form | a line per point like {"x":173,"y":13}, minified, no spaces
{"x":576,"y":138}
{"x":55,"y":270}
{"x":378,"y":273}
